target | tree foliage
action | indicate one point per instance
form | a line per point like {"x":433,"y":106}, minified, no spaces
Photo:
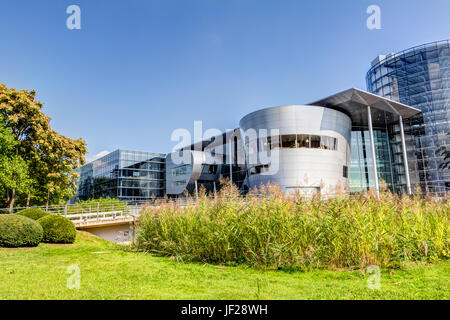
{"x":13,"y":168}
{"x":51,"y":159}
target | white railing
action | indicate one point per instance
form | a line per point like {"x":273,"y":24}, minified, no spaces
{"x":94,"y":207}
{"x":88,"y":208}
{"x":84,"y":217}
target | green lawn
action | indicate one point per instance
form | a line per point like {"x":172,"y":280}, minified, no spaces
{"x":108,"y":272}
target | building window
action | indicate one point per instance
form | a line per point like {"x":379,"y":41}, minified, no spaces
{"x":345,"y":172}
{"x":315,"y":142}
{"x":179,"y":183}
{"x":303,"y":140}
{"x":259,"y":169}
{"x":179,"y":171}
{"x":274,"y":142}
{"x":289,"y":141}
{"x":328,"y":143}
{"x":209,"y":169}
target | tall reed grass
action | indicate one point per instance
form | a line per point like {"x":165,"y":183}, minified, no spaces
{"x":278,"y":231}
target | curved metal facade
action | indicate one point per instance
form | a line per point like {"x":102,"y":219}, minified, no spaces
{"x":313,"y":152}
{"x":419,"y":77}
{"x":179,"y":174}
{"x":202,"y":164}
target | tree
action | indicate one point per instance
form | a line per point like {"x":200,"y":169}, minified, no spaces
{"x":13,"y":169}
{"x":442,"y":151}
{"x":57,"y":165}
{"x":52,"y":159}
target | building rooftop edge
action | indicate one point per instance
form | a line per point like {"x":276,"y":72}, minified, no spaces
{"x":403,"y":52}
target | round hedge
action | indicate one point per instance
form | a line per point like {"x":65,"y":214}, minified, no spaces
{"x":58,"y":229}
{"x":32,"y":213}
{"x":19,"y":231}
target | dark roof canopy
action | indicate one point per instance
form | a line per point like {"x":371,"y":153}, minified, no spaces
{"x":354,"y":102}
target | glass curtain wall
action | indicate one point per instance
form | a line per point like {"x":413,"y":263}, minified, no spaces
{"x":123,"y":174}
{"x":361,"y":164}
{"x":419,"y":77}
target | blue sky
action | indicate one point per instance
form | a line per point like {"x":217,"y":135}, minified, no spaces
{"x":139,"y":69}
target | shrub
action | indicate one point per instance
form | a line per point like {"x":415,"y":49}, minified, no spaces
{"x":4,"y":211}
{"x":19,"y":231}
{"x":58,"y":229}
{"x":281,"y":231}
{"x":33,"y":213}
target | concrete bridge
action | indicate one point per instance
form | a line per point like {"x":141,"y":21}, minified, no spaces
{"x":115,"y":226}
{"x":112,"y":221}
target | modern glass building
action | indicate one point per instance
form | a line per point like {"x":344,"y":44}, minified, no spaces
{"x":348,"y":141}
{"x":317,"y":147}
{"x":125,"y":175}
{"x":302,"y":148}
{"x":418,"y":77}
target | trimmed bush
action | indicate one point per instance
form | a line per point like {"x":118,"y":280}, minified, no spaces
{"x":32,"y":213}
{"x":58,"y":229}
{"x":19,"y":231}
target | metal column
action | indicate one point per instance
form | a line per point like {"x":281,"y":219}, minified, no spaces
{"x":372,"y":147}
{"x":196,"y":188}
{"x":405,"y":156}
{"x":231,"y":165}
